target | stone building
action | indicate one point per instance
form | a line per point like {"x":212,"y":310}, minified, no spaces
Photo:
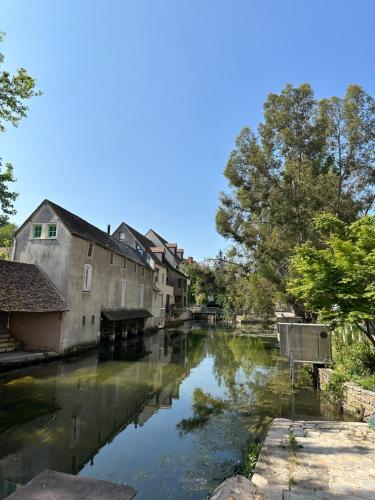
{"x":173,"y":258}
{"x":31,"y":308}
{"x":163,"y":293}
{"x":107,"y":284}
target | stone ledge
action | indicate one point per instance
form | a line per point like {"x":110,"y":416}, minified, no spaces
{"x":51,"y":485}
{"x":358,"y":401}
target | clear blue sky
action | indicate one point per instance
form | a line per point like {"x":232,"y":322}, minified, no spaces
{"x":143,"y":99}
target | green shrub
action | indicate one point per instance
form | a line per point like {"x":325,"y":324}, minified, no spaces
{"x":334,"y":389}
{"x":354,"y":358}
{"x":368,"y":383}
{"x":252,"y":455}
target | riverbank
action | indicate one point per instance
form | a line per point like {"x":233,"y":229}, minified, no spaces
{"x":16,"y":359}
{"x":348,"y":395}
{"x":310,"y":459}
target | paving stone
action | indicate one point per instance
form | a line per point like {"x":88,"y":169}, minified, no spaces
{"x":336,"y":461}
{"x":51,"y":485}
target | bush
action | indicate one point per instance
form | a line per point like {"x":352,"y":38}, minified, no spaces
{"x":335,"y":388}
{"x":353,"y":357}
{"x":368,"y":383}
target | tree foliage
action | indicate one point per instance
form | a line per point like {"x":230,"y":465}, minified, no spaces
{"x":306,"y":157}
{"x":15,"y":90}
{"x":6,"y":235}
{"x":337,"y":278}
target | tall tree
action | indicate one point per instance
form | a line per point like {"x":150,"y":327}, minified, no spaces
{"x":338,"y":279}
{"x":289,"y":170}
{"x":14,"y":91}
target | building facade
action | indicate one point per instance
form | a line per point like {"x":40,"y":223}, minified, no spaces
{"x":163,"y":293}
{"x":108,"y":286}
{"x":173,"y":259}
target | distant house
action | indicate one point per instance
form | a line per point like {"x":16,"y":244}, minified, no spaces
{"x":31,"y":308}
{"x":107,"y":284}
{"x":163,"y":293}
{"x":173,"y":257}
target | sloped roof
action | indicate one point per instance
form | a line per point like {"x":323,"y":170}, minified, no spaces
{"x":25,"y":288}
{"x":145,"y":242}
{"x":168,"y":245}
{"x":78,"y":226}
{"x":122,"y":314}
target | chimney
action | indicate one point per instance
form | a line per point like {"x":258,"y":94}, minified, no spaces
{"x":180,"y":253}
{"x":190,"y":260}
{"x":109,"y":229}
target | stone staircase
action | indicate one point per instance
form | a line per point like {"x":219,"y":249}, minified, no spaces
{"x":8,"y":343}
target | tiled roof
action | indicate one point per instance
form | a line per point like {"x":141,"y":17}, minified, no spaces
{"x":160,"y":238}
{"x":82,"y":228}
{"x":145,"y":242}
{"x":157,"y":249}
{"x":25,"y":288}
{"x":168,"y":245}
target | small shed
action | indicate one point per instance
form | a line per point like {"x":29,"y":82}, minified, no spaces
{"x":305,"y":342}
{"x":31,"y":307}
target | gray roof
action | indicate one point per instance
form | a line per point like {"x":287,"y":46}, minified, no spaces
{"x":148,"y":244}
{"x":25,"y":288}
{"x":145,"y":242}
{"x":84,"y":229}
{"x":125,"y":314}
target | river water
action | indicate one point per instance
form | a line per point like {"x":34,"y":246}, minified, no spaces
{"x":171,"y":413}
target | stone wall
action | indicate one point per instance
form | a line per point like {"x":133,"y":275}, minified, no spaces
{"x":357,"y":400}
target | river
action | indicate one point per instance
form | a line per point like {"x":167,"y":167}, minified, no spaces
{"x":170,"y":413}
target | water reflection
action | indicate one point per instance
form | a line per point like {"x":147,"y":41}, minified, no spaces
{"x":118,"y":414}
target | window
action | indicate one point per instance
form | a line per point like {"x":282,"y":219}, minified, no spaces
{"x":122,"y":235}
{"x":87,"y":275}
{"x":52,"y":230}
{"x":125,"y":263}
{"x":111,"y":258}
{"x":83,"y":320}
{"x":37,"y":231}
{"x":135,"y":267}
{"x":90,"y":250}
{"x":141,"y":295}
{"x":93,"y":319}
{"x":162,"y":278}
{"x":122,"y":292}
{"x":143,"y":271}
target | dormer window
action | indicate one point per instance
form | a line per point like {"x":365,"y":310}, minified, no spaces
{"x":111,"y":258}
{"x":90,"y":250}
{"x":37,"y":231}
{"x":52,"y":231}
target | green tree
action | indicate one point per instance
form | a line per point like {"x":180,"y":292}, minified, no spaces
{"x":337,"y":278}
{"x":300,"y":162}
{"x":14,"y":91}
{"x":7,"y":234}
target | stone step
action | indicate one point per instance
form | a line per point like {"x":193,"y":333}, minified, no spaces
{"x":9,"y":346}
{"x":8,"y":349}
{"x":6,"y":337}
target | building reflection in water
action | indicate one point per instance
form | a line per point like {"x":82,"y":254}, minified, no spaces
{"x":60,"y":415}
